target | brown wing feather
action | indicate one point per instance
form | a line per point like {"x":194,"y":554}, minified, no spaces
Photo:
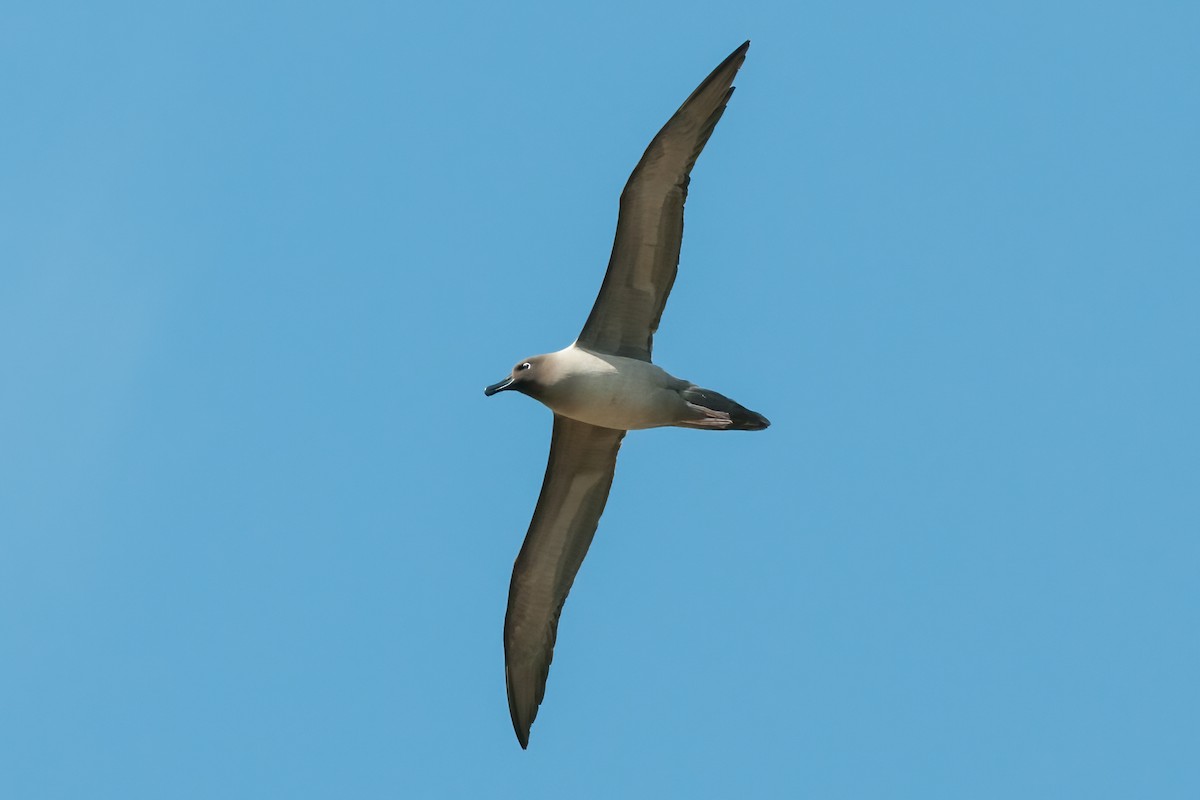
{"x":645,"y":253}
{"x":578,"y":476}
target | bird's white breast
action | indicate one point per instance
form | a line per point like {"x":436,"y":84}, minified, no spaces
{"x":611,"y":391}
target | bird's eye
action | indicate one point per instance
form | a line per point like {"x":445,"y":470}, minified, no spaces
{"x":526,"y":365}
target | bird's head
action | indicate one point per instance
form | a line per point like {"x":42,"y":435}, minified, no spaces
{"x":526,"y":378}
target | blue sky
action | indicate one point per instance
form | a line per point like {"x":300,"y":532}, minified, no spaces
{"x":257,"y":519}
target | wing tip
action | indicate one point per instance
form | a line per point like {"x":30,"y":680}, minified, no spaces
{"x":523,"y":710}
{"x":724,"y":74}
{"x":521,"y":726}
{"x":734,"y":59}
{"x":522,"y":738}
{"x":739,"y":54}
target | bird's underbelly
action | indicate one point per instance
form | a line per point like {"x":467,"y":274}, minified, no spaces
{"x":612,"y":400}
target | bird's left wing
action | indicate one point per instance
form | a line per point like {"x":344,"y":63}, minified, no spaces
{"x":574,"y":491}
{"x":645,"y":252}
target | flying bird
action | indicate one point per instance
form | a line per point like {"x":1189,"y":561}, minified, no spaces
{"x":605,"y":384}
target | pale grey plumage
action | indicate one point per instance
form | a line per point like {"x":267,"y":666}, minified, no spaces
{"x":603,"y":385}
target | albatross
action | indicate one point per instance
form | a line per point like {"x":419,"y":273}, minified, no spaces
{"x":605,"y":384}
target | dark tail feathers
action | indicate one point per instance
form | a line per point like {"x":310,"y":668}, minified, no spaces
{"x":740,"y":417}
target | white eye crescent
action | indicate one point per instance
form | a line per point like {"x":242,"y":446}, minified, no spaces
{"x":526,"y":365}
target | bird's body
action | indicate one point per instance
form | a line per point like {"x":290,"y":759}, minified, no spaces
{"x":603,"y":385}
{"x":620,"y":393}
{"x":611,"y":391}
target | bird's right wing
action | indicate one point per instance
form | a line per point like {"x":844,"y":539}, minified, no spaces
{"x":574,"y":491}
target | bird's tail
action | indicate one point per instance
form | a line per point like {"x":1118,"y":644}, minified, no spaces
{"x":716,"y":412}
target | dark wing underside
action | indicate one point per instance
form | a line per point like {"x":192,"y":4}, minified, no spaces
{"x":574,"y":491}
{"x":645,"y":252}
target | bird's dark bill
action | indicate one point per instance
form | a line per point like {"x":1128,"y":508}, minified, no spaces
{"x":499,"y":387}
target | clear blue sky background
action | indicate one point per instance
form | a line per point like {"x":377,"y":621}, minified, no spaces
{"x":257,"y":519}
